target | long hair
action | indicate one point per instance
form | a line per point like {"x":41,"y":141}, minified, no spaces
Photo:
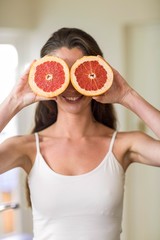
{"x":46,"y":111}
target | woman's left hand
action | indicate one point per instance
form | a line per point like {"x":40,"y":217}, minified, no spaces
{"x":117,"y":92}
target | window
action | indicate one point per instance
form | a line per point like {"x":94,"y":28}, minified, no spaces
{"x":9,"y":180}
{"x":8,"y":63}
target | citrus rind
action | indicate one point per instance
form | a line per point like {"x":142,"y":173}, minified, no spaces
{"x":106,"y":68}
{"x":37,"y":89}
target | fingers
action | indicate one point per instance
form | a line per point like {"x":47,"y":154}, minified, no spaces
{"x":99,"y":98}
{"x":25,"y":75}
{"x":29,"y":67}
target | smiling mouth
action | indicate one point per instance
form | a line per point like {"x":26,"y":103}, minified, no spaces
{"x":72,"y":99}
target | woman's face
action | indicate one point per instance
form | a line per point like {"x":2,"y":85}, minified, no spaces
{"x":71,"y":100}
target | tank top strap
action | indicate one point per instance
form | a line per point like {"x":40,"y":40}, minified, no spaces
{"x":37,"y":142}
{"x":112,"y":141}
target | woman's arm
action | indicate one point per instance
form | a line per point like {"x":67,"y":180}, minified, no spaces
{"x":12,"y":154}
{"x":143,"y":148}
{"x":20,"y":97}
{"x":139,"y":147}
{"x":123,"y":94}
{"x":8,"y":109}
{"x":15,"y":101}
{"x":13,"y":150}
{"x":149,"y":114}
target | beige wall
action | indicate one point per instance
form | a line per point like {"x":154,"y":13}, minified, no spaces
{"x":120,"y":27}
{"x":142,"y":191}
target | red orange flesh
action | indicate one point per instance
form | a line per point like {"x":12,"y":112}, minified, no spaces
{"x":91,"y":75}
{"x":49,"y":76}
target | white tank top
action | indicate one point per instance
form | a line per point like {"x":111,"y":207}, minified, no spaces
{"x":81,"y":207}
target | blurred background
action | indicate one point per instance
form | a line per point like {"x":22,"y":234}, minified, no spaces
{"x":128,"y":33}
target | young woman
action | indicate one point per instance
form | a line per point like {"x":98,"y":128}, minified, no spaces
{"x":76,"y":160}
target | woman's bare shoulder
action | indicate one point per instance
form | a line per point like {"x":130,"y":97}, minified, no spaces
{"x":19,"y":140}
{"x":123,"y":144}
{"x":17,"y":151}
{"x":129,"y":137}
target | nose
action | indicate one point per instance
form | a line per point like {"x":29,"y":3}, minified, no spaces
{"x":70,"y":90}
{"x":70,"y":87}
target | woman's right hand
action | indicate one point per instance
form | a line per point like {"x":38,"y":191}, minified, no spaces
{"x":22,"y":94}
{"x":20,"y":97}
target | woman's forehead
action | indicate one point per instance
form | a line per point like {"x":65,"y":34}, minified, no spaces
{"x":68,"y":55}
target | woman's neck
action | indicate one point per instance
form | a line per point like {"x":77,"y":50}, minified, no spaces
{"x":75,"y":125}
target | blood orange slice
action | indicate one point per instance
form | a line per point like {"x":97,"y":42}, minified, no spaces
{"x":49,"y":76}
{"x":91,"y":75}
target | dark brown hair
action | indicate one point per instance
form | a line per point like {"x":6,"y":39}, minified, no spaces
{"x":46,"y":111}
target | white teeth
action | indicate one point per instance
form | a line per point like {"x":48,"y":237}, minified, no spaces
{"x":72,"y":98}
